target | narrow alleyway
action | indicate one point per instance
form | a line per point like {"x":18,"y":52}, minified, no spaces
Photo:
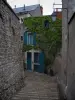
{"x":38,"y":87}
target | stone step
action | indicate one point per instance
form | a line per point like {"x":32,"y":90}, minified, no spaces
{"x":38,"y":87}
{"x":34,"y":98}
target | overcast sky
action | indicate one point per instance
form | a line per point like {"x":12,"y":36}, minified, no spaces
{"x":47,"y":4}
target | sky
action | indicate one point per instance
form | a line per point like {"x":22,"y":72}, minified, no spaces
{"x":47,"y":4}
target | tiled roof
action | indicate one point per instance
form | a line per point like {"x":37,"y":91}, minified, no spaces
{"x":27,"y":8}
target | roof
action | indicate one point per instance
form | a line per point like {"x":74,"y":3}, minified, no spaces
{"x":27,"y":8}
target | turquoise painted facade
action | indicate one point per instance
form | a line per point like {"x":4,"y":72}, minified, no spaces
{"x":35,"y":58}
{"x":40,"y":67}
{"x":25,"y":38}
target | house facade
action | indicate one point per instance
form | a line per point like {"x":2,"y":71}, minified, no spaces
{"x":28,"y":11}
{"x":34,"y":59}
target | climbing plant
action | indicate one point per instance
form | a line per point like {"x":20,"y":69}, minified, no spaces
{"x":49,"y":35}
{"x":29,"y":47}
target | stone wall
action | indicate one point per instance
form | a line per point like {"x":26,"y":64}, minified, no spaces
{"x":71,"y":8}
{"x":57,"y":65}
{"x":71,"y":62}
{"x":62,"y":77}
{"x":71,"y":55}
{"x":67,"y":77}
{"x":11,"y":64}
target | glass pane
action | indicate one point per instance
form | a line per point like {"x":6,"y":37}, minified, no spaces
{"x":30,"y":39}
{"x":36,"y":57}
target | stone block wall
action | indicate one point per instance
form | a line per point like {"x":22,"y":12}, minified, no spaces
{"x":67,"y":77}
{"x":57,"y":65}
{"x":71,"y":61}
{"x":11,"y":63}
{"x":62,"y":77}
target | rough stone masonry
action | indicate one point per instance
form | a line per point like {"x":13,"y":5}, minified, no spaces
{"x":11,"y":68}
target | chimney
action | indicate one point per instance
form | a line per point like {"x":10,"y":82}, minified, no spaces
{"x":15,"y":6}
{"x":41,"y":8}
{"x":24,"y":6}
{"x":56,"y":9}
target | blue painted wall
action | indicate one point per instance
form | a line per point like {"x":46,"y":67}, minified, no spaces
{"x":34,"y":38}
{"x":29,"y":67}
{"x":40,"y":67}
{"x":25,"y":38}
{"x":41,"y":61}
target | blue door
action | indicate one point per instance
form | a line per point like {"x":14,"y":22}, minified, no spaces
{"x":29,"y":67}
{"x":39,"y":62}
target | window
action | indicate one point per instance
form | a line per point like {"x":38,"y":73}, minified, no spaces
{"x":46,"y":24}
{"x":36,"y":57}
{"x":21,"y":38}
{"x":30,"y":39}
{"x":21,"y":20}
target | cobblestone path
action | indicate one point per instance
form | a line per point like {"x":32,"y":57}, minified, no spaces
{"x":38,"y":87}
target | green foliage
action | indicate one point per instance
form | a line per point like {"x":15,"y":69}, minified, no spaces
{"x":29,"y":47}
{"x":48,"y":39}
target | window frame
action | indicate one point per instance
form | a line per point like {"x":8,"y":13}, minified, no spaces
{"x":29,"y":38}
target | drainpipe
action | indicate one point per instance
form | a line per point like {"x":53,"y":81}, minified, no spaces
{"x":67,"y":54}
{"x":67,"y":45}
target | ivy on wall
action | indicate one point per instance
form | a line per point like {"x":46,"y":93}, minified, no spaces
{"x":49,"y":36}
{"x":29,"y":47}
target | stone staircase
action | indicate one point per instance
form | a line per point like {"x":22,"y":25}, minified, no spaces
{"x":38,"y":87}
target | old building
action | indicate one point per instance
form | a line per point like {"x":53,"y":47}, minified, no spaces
{"x":34,"y":58}
{"x":28,"y":11}
{"x":67,"y":73}
{"x":11,"y":65}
